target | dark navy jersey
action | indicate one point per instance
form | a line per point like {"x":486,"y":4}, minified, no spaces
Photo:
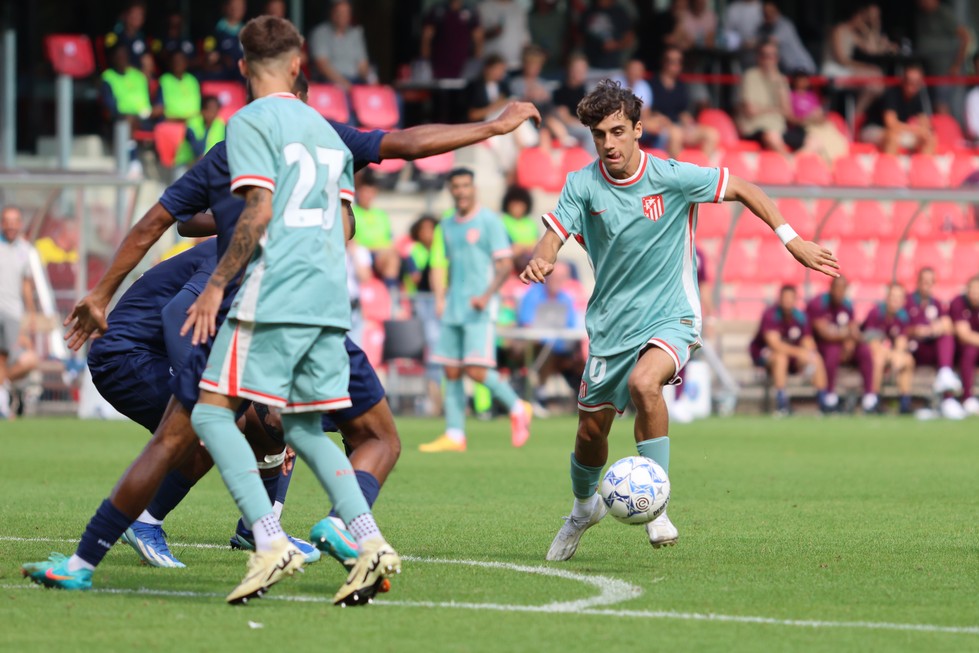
{"x":135,"y":323}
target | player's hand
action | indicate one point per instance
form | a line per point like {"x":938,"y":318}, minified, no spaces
{"x":814,"y":256}
{"x":202,"y":315}
{"x":289,"y":462}
{"x":537,"y":271}
{"x":479,"y":302}
{"x":86,"y":320}
{"x":515,"y":114}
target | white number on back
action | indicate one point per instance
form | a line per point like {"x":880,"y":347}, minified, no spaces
{"x":295,"y":215}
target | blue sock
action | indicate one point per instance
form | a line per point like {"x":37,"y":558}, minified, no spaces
{"x":657,"y":450}
{"x":369,"y":485}
{"x":106,"y":527}
{"x":172,"y":491}
{"x":821,"y":398}
{"x":283,"y":487}
{"x":905,"y":403}
{"x":272,"y":487}
{"x":781,"y":400}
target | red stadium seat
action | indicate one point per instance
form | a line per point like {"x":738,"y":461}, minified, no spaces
{"x":963,"y":165}
{"x":745,"y":301}
{"x":925,"y":172}
{"x":513,"y":289}
{"x":965,"y":260}
{"x":375,"y":106}
{"x":776,"y":265}
{"x":799,"y":216}
{"x":729,"y":137}
{"x":535,"y":169}
{"x":742,"y":260}
{"x":849,"y":171}
{"x":906,"y":270}
{"x":389,"y":166}
{"x":948,"y":132}
{"x":947,"y":217}
{"x":737,"y":164}
{"x":696,"y":157}
{"x":857,"y":260}
{"x":231,"y":95}
{"x":889,"y":173}
{"x":749,"y":226}
{"x":936,"y":254}
{"x":574,"y":158}
{"x":812,"y":170}
{"x":838,"y":224}
{"x":773,"y":168}
{"x":168,"y":136}
{"x":70,"y":54}
{"x":439,"y":164}
{"x":871,"y":222}
{"x":372,"y":342}
{"x":654,"y":152}
{"x":375,"y":300}
{"x":713,"y":220}
{"x":330,"y":101}
{"x":887,"y":251}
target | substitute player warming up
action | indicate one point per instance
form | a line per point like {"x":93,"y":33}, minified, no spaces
{"x":636,"y":216}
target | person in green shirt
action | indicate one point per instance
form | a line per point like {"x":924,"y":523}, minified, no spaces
{"x":520,"y":227}
{"x":180,"y":91}
{"x":204,"y":131}
{"x":126,"y":92}
{"x":374,"y":230}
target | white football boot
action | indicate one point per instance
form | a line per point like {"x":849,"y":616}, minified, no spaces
{"x":971,"y":406}
{"x":952,"y":409}
{"x":662,"y":532}
{"x":947,"y":381}
{"x":566,"y":541}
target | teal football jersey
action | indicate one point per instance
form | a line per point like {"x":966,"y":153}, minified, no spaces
{"x":472,"y":245}
{"x":298,"y":273}
{"x":639,"y":235}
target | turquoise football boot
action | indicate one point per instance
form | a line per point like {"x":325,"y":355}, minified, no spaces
{"x":53,"y":572}
{"x":332,"y":537}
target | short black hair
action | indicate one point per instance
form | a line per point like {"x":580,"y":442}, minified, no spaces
{"x":415,"y":230}
{"x":207,"y":99}
{"x":789,"y":287}
{"x":608,"y":99}
{"x":460,"y":172}
{"x":517,"y":194}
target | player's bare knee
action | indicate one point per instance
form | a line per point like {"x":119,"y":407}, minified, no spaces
{"x":645,"y":391}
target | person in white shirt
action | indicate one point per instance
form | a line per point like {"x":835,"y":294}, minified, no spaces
{"x":505,"y":30}
{"x":742,"y":20}
{"x":338,"y":49}
{"x":16,"y":294}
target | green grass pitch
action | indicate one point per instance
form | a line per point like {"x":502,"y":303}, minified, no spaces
{"x":836,"y":534}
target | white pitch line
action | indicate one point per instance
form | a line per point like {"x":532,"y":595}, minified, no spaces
{"x":55,"y":540}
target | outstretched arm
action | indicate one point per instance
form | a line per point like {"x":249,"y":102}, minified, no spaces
{"x":502,"y":269}
{"x":87,"y":319}
{"x":202,"y":315}
{"x":429,"y":140}
{"x":810,"y":254}
{"x":542,"y":260}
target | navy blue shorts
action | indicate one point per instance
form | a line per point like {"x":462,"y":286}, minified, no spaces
{"x":366,"y":390}
{"x":137,"y":384}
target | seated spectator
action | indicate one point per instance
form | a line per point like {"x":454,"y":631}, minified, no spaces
{"x":204,"y":131}
{"x":275,"y":8}
{"x":417,"y":267}
{"x":964,"y":312}
{"x":859,"y":35}
{"x":451,"y":37}
{"x":374,"y":230}
{"x":658,"y":132}
{"x":521,"y":227}
{"x":126,"y":93}
{"x":838,"y":339}
{"x":776,"y":27}
{"x":672,"y":101}
{"x":61,"y":246}
{"x":898,"y":120}
{"x":223,"y":47}
{"x":564,"y":123}
{"x":548,"y":26}
{"x":742,"y":21}
{"x":699,"y":23}
{"x":661,"y":30}
{"x":180,"y":92}
{"x":885,"y":330}
{"x":128,"y":33}
{"x":529,"y":86}
{"x":548,"y":306}
{"x":486,"y":97}
{"x":505,"y":30}
{"x":765,"y":106}
{"x":784,"y":345}
{"x":933,"y":341}
{"x":606,"y":35}
{"x":972,"y":106}
{"x":174,"y":40}
{"x":338,"y":49}
{"x":807,"y":112}
{"x":942,"y":42}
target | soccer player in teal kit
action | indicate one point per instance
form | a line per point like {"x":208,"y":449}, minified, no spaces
{"x":283,"y":341}
{"x":636,"y":216}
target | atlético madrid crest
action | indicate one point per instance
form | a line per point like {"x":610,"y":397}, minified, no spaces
{"x":652,"y":207}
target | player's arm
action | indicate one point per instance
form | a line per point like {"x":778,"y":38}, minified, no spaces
{"x":502,"y":268}
{"x":201,"y":225}
{"x":542,"y":260}
{"x":810,"y":254}
{"x":826,"y":330}
{"x":429,"y":140}
{"x":254,"y":220}
{"x":87,"y":318}
{"x":774,"y":341}
{"x":350,"y":220}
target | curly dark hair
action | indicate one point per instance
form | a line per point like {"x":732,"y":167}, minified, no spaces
{"x":606,"y":99}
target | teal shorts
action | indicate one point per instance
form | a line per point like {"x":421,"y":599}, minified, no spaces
{"x":605,"y":383}
{"x":473,"y":344}
{"x":296,"y":367}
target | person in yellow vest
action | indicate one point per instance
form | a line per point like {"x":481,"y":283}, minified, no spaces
{"x":126,"y":93}
{"x":179,"y":90}
{"x":204,"y":131}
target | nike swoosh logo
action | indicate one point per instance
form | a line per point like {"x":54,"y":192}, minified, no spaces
{"x":598,"y":212}
{"x":50,"y":575}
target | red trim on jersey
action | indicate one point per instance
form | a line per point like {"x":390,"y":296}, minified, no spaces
{"x":325,"y":403}
{"x":263,"y":395}
{"x":283,"y":94}
{"x":233,"y":365}
{"x":625,"y":182}
{"x":667,"y":345}
{"x":690,"y":214}
{"x":588,"y":408}
{"x":252,"y":180}
{"x":550,"y":219}
{"x":721,"y":184}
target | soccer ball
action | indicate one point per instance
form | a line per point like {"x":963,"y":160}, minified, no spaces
{"x":636,"y":490}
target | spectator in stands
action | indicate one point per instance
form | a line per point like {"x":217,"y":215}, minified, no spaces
{"x":776,"y":27}
{"x":549,"y":306}
{"x":699,"y":23}
{"x":521,"y":226}
{"x":128,"y":33}
{"x":275,"y":8}
{"x":417,"y":266}
{"x":784,"y":345}
{"x":180,"y":92}
{"x":658,"y":132}
{"x":838,"y":339}
{"x":174,"y":40}
{"x":606,"y":35}
{"x":563,"y":123}
{"x":671,"y":100}
{"x":942,"y":41}
{"x":358,"y":272}
{"x":223,"y":47}
{"x":374,"y":230}
{"x":529,"y":86}
{"x":17,"y":307}
{"x":807,"y":112}
{"x":885,"y":330}
{"x":204,"y":131}
{"x":338,"y":49}
{"x":20,"y":364}
{"x":972,"y":106}
{"x":505,"y":30}
{"x":859,"y":35}
{"x":765,"y":105}
{"x":661,"y":30}
{"x":451,"y":37}
{"x":933,"y":341}
{"x":486,"y":97}
{"x":126,"y":93}
{"x":964,"y":312}
{"x":61,"y":246}
{"x":899,"y":119}
{"x":548,"y":26}
{"x":742,"y":21}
